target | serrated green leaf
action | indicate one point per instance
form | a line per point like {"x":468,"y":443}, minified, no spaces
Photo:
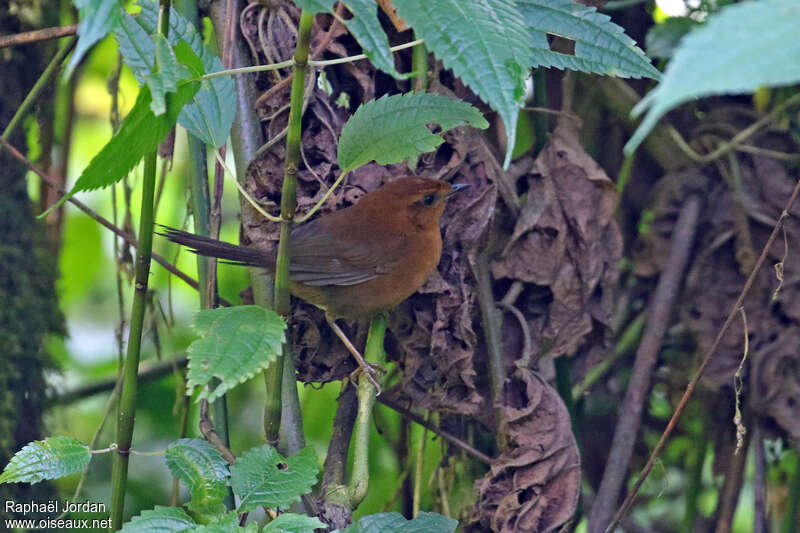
{"x":365,"y":27}
{"x":403,"y":132}
{"x":51,"y":458}
{"x":97,"y":18}
{"x":201,"y":467}
{"x":293,"y":523}
{"x":262,"y":476}
{"x":210,"y":115}
{"x":168,"y":75}
{"x":367,"y":30}
{"x":484,"y":42}
{"x":601,"y":47}
{"x":160,"y":520}
{"x":315,"y":6}
{"x":396,"y":523}
{"x":236,"y":344}
{"x":139,"y":135}
{"x":740,"y":48}
{"x":663,"y":38}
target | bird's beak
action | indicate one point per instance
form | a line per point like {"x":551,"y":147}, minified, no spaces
{"x":457,"y":187}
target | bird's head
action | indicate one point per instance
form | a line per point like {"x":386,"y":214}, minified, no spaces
{"x":420,"y":201}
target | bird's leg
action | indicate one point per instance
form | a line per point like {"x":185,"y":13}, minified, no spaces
{"x":371,"y":371}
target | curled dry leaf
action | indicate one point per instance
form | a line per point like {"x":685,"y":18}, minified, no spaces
{"x":567,"y":244}
{"x":534,"y":485}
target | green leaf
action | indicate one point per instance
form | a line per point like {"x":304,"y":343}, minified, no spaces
{"x":236,"y":344}
{"x":367,"y":30}
{"x":97,"y":18}
{"x":601,"y":47}
{"x":393,"y":128}
{"x":159,"y":520}
{"x":166,"y":78}
{"x":139,"y":135}
{"x":484,"y":42}
{"x":293,"y":523}
{"x":227,"y":523}
{"x":210,"y":115}
{"x":396,"y":523}
{"x":662,"y":39}
{"x":740,"y":48}
{"x":198,"y":464}
{"x":262,"y":476}
{"x":51,"y":458}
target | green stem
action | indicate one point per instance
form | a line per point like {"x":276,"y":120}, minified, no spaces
{"x":37,"y":88}
{"x":541,"y":122}
{"x":126,"y":407}
{"x":127,"y":404}
{"x":359,"y":480}
{"x":625,"y":346}
{"x":206,"y":266}
{"x":792,"y":517}
{"x":692,"y":505}
{"x":274,"y":374}
{"x":419,"y":66}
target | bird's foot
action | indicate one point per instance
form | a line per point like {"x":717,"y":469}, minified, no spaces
{"x":372,"y":371}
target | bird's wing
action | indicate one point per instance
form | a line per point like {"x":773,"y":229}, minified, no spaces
{"x":321,"y":257}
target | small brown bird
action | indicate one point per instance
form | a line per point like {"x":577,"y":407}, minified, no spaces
{"x":359,"y":261}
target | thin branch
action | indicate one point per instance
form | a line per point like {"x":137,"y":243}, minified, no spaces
{"x":210,"y":434}
{"x":737,"y":139}
{"x":310,"y":63}
{"x":131,"y":240}
{"x":38,"y":35}
{"x":626,"y":505}
{"x":243,"y":192}
{"x":636,"y":395}
{"x":149,"y":373}
{"x":37,"y":88}
{"x":452,"y":439}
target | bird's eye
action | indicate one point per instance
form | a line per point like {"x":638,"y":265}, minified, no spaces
{"x":429,"y":199}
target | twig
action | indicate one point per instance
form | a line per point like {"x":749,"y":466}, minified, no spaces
{"x":738,"y":384}
{"x":243,"y":192}
{"x":102,"y":220}
{"x":210,"y":434}
{"x":310,"y":63}
{"x":737,"y":139}
{"x":492,"y":325}
{"x":37,"y":88}
{"x":152,"y":372}
{"x":646,"y":356}
{"x":625,"y":507}
{"x":35,"y":36}
{"x":731,"y":487}
{"x":388,"y":402}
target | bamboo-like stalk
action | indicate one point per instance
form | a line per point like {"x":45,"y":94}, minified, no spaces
{"x":359,"y":480}
{"x":274,"y":374}
{"x":206,"y":266}
{"x":127,"y":403}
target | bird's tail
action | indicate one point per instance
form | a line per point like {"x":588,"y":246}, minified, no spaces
{"x":239,"y":255}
